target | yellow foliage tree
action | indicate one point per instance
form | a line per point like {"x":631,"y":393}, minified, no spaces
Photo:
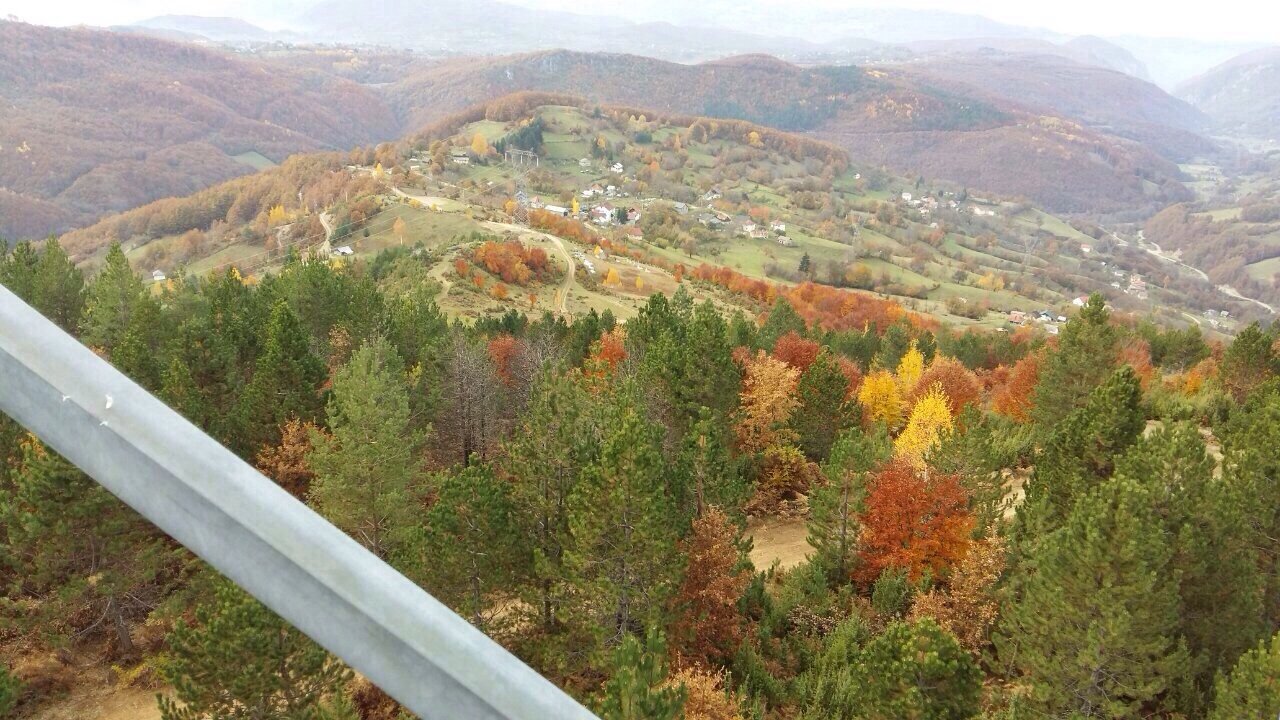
{"x":639,"y":283}
{"x":929,"y":418}
{"x":276,"y":216}
{"x":478,"y":145}
{"x":397,"y":228}
{"x":766,"y":402}
{"x":910,"y":368}
{"x":879,"y":397}
{"x":611,"y":277}
{"x":574,"y":207}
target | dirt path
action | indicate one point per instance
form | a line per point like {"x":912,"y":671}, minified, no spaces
{"x":1155,"y":249}
{"x":774,"y":540}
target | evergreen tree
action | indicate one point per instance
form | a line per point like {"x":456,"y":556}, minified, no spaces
{"x":366,"y":466}
{"x":636,"y":689}
{"x":1218,"y":581}
{"x":285,"y":384}
{"x":58,"y":289}
{"x":91,"y":563}
{"x":622,"y":561}
{"x":1085,"y":357}
{"x":240,"y":661}
{"x":713,"y":478}
{"x":18,"y":269}
{"x":1249,"y":361}
{"x":1251,"y":471}
{"x":1094,"y":629}
{"x":471,"y":547}
{"x":911,"y":670}
{"x":555,"y":439}
{"x":1251,"y":690}
{"x":123,"y":320}
{"x":834,"y":505}
{"x":894,"y":343}
{"x":825,"y":406}
{"x":974,"y":451}
{"x":10,"y":690}
{"x":782,"y":319}
{"x":1082,"y":451}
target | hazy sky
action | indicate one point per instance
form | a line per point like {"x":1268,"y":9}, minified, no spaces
{"x":1246,"y":20}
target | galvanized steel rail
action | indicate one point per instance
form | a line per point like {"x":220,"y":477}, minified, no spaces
{"x":279,"y":550}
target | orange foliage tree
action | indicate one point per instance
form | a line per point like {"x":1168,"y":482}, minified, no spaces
{"x":967,"y":607}
{"x":1013,"y":398}
{"x":286,"y":463}
{"x":708,"y":627}
{"x":916,"y":520}
{"x":766,"y":402}
{"x":502,"y":350}
{"x":796,"y":351}
{"x":958,"y":383}
{"x":609,"y":350}
{"x":512,"y":261}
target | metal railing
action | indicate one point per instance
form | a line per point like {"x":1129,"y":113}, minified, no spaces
{"x":276,"y":548}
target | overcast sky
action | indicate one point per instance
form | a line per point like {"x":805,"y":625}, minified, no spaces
{"x":1244,"y":20}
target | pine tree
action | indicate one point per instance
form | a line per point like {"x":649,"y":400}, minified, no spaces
{"x":782,"y":319}
{"x":1085,"y":357}
{"x":471,"y":547}
{"x":834,"y":505}
{"x":622,"y":560}
{"x":893,"y":345}
{"x":557,"y":436}
{"x":10,"y":691}
{"x":911,"y":670}
{"x":1082,"y":451}
{"x":825,"y":409}
{"x":1094,"y":628}
{"x":92,"y":564}
{"x":1218,"y":580}
{"x":18,"y":269}
{"x":366,"y":467}
{"x":1251,"y":690}
{"x":1249,"y":361}
{"x":58,"y":291}
{"x":285,"y":384}
{"x":240,"y":661}
{"x":636,"y":689}
{"x":123,"y":320}
{"x":713,"y":478}
{"x":972,"y":450}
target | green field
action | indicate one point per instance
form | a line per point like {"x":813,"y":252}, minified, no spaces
{"x":254,"y":159}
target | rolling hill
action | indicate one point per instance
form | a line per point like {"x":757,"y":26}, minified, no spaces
{"x":1242,"y":95}
{"x":96,"y":121}
{"x":886,"y":116}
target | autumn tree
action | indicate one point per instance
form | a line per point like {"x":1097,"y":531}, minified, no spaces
{"x":1013,"y":398}
{"x":796,"y":351}
{"x":706,"y":694}
{"x":958,"y":384}
{"x":968,"y":606}
{"x":909,"y":369}
{"x":768,"y":399}
{"x":930,"y":418}
{"x":365,"y":467}
{"x":286,"y":463}
{"x":912,"y":519}
{"x":708,"y":626}
{"x":879,"y":398}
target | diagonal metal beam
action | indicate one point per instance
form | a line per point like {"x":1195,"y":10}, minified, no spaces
{"x":279,"y":550}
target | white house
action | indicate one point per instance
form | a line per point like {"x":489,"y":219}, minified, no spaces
{"x":343,"y":250}
{"x":616,"y":167}
{"x":584,"y":163}
{"x":157,"y":275}
{"x":561,"y":211}
{"x":906,"y":197}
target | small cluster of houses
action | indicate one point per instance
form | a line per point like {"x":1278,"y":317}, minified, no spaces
{"x":584,"y":164}
{"x":1044,"y":318}
{"x":757,"y":232}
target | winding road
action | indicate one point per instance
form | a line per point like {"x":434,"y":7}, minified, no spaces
{"x":1155,"y":249}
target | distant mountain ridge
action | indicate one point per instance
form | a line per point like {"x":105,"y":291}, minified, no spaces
{"x":96,"y":121}
{"x":1242,"y":95}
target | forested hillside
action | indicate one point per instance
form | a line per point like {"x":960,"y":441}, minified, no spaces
{"x":97,"y":121}
{"x":881,"y":116}
{"x":997,"y":526}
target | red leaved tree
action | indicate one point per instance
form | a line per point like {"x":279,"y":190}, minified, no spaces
{"x":912,"y":520}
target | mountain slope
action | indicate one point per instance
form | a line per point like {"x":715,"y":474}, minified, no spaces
{"x":893,"y":117}
{"x":1242,"y":95}
{"x":96,"y":121}
{"x":1101,"y":99}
